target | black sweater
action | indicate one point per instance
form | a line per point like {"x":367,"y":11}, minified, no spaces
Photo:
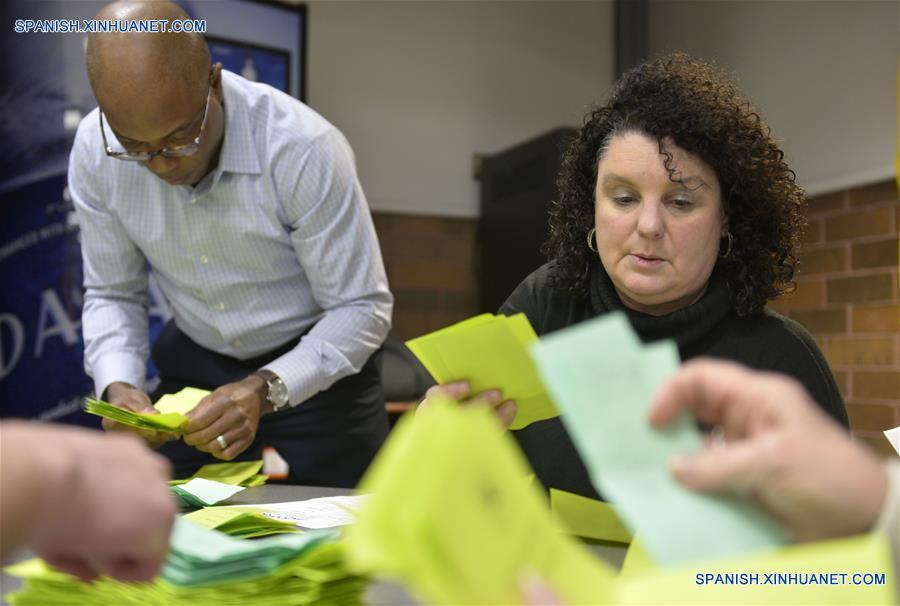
{"x":709,"y":327}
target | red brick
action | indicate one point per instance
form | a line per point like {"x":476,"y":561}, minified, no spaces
{"x":877,"y":384}
{"x":868,"y":222}
{"x":884,"y":191}
{"x":826,"y":202}
{"x":824,"y":260}
{"x":876,"y":318}
{"x":847,"y":351}
{"x":810,"y":293}
{"x":861,"y":289}
{"x":870,"y":417}
{"x":826,"y":321}
{"x":883,"y":253}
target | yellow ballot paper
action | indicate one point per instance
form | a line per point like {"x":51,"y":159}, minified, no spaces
{"x":243,"y":473}
{"x":172,"y":408}
{"x":450,"y":516}
{"x":491,"y":353}
{"x":182,"y":402}
{"x":855,"y":570}
{"x":240,"y":522}
{"x":588,"y":518}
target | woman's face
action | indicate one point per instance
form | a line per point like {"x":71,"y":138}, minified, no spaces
{"x":657,"y":239}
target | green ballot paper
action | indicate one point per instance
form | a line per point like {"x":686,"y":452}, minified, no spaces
{"x":452,"y":517}
{"x":603,"y":379}
{"x":490,"y":352}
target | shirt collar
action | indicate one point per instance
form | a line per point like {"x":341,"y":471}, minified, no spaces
{"x":239,"y":154}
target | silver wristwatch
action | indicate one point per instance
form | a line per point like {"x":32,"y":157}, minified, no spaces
{"x":277,"y":391}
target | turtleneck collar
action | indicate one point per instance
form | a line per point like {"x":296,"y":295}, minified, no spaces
{"x":684,"y":325}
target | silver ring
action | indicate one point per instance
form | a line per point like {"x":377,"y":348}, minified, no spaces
{"x":222,"y":443}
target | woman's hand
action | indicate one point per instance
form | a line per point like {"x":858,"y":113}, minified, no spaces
{"x":461,"y":392}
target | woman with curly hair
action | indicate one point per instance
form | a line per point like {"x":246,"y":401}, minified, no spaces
{"x":677,"y":208}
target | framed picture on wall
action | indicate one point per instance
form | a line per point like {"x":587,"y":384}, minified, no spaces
{"x":254,"y":62}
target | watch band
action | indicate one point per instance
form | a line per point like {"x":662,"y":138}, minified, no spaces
{"x":277,"y":392}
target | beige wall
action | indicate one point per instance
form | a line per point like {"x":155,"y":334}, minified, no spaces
{"x":419,"y":87}
{"x":823,"y":73}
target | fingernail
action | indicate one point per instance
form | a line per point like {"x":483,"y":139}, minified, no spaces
{"x":493,"y":396}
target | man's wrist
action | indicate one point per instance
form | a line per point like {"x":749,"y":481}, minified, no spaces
{"x":276,"y":391}
{"x":258,"y":385}
{"x":115,"y":389}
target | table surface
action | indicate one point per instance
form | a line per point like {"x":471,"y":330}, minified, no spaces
{"x":379,"y":592}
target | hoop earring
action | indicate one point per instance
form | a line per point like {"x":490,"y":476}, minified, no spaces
{"x":727,"y":235}
{"x":590,"y":239}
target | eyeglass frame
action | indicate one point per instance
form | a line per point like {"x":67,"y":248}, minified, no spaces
{"x":179,"y":151}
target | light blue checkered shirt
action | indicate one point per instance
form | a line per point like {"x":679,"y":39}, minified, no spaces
{"x":277,"y":239}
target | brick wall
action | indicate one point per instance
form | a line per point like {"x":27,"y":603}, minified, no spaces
{"x":847,"y":297}
{"x":431,"y":266}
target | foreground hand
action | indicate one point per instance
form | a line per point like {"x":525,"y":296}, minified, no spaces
{"x":460,"y":391}
{"x":232,"y":411}
{"x":106,"y":509}
{"x":131,"y":398}
{"x":779,"y":449}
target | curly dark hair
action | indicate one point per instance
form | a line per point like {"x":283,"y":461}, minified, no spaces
{"x":699,"y":107}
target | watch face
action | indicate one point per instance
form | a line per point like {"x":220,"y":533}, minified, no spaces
{"x":278,"y":394}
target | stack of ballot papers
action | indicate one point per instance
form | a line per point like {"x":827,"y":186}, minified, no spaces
{"x":240,"y":522}
{"x":491,"y":353}
{"x":243,"y":473}
{"x":452,"y":516}
{"x":201,"y":493}
{"x":207,"y":567}
{"x":172,"y":408}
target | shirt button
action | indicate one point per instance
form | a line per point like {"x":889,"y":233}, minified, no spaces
{"x":237,"y":343}
{"x":220,"y":306}
{"x":204,"y":259}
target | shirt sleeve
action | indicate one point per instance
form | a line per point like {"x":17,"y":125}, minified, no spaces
{"x":114,"y":316}
{"x":335,"y":241}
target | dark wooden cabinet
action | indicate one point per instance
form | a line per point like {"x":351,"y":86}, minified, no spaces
{"x":517,"y":187}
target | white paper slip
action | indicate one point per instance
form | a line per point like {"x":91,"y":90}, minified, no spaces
{"x":208,"y":491}
{"x":893,"y":436}
{"x":324,"y":512}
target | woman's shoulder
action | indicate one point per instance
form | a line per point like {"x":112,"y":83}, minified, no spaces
{"x":778,"y":343}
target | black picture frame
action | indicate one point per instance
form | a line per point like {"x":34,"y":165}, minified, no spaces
{"x":303,"y":11}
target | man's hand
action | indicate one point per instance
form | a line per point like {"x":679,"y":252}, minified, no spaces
{"x":90,"y":504}
{"x":131,"y":398}
{"x":232,"y":412}
{"x":779,"y":449}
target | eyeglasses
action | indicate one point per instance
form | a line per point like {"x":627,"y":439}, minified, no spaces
{"x":178,"y":151}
